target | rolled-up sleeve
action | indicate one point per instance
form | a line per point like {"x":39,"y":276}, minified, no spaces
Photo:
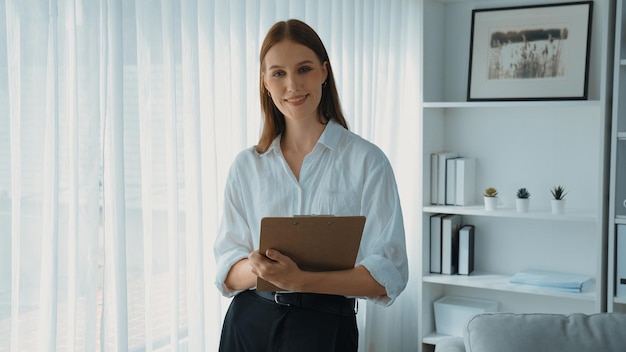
{"x":383,"y":246}
{"x":233,"y":241}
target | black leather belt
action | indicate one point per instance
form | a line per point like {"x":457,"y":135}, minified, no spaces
{"x":324,"y":303}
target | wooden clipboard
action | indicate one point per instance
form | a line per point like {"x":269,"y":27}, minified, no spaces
{"x":315,"y":243}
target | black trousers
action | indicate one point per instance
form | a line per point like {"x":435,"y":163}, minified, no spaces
{"x":254,"y":323}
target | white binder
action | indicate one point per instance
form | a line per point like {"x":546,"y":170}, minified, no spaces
{"x":620,"y":280}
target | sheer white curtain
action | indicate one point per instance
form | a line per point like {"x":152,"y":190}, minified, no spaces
{"x":118,"y":122}
{"x":49,"y":172}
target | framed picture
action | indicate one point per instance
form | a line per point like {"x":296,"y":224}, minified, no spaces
{"x":538,"y":52}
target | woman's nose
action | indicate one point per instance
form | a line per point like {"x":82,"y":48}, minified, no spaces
{"x":293,"y":83}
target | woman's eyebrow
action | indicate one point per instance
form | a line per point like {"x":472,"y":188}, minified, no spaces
{"x":298,"y":64}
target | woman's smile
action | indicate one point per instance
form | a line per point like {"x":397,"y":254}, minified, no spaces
{"x":298,"y":100}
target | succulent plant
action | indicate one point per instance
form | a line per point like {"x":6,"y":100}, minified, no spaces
{"x":523,"y":193}
{"x":491,"y":192}
{"x":558,"y":192}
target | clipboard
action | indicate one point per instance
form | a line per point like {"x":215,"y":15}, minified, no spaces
{"x":315,"y":243}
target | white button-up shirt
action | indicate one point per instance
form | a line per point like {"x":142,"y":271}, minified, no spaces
{"x":343,"y":175}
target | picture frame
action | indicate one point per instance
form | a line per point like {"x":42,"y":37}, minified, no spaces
{"x":534,"y":52}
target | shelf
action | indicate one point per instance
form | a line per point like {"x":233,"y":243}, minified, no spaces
{"x":621,"y":135}
{"x":511,"y":104}
{"x":500,"y":282}
{"x":620,"y":220}
{"x":620,"y":300}
{"x":622,"y":62}
{"x":540,"y":214}
{"x":434,"y":338}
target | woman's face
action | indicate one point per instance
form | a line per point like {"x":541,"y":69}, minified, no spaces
{"x":294,"y":75}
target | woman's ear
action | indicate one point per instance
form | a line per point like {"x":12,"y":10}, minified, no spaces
{"x":325,"y":70}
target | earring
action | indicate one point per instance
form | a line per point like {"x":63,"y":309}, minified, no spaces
{"x":269,"y":94}
{"x":324,"y":84}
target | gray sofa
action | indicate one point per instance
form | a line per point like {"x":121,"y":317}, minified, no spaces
{"x":536,"y":332}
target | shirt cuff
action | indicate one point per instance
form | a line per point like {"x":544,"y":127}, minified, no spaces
{"x":386,"y":274}
{"x":224,"y":264}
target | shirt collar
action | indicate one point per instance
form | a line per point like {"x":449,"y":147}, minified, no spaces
{"x":329,"y":138}
{"x":275,"y":146}
{"x":331,"y":134}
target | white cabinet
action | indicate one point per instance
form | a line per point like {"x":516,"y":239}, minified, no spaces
{"x":531,"y":144}
{"x":617,"y":194}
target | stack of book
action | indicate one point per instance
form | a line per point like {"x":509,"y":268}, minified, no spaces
{"x":551,"y":280}
{"x":451,"y":245}
{"x":452,"y":179}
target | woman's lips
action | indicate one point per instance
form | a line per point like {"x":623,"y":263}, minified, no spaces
{"x":295,"y":101}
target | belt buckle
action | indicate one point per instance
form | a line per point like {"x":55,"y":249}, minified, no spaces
{"x":277,"y":300}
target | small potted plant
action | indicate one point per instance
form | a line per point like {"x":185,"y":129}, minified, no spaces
{"x":558,"y":199}
{"x":491,"y":198}
{"x":522,"y":202}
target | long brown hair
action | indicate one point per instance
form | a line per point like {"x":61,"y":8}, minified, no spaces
{"x":330,"y":107}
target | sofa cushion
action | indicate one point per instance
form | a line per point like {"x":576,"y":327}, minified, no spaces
{"x":497,"y":332}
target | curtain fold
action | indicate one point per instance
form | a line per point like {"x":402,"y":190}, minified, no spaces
{"x":48,"y":295}
{"x":144,"y":84}
{"x":115,"y":323}
{"x":118,"y":123}
{"x":172,"y":176}
{"x":13,"y":25}
{"x":196,"y":255}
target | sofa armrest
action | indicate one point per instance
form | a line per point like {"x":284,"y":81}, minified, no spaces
{"x":450,"y":344}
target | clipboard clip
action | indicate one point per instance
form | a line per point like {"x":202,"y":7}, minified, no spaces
{"x":295,"y":223}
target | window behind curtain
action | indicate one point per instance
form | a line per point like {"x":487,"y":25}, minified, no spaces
{"x":213,"y":65}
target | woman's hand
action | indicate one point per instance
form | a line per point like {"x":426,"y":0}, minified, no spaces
{"x":276,"y":268}
{"x":283,"y":272}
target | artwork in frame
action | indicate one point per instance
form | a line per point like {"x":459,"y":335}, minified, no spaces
{"x":536,"y":52}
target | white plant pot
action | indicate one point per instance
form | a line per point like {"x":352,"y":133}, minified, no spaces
{"x":491,"y":203}
{"x":522,"y":205}
{"x":558,"y":206}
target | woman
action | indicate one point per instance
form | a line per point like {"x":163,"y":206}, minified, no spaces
{"x":306,"y":162}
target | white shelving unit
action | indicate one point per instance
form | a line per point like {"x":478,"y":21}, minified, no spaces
{"x":617,"y":194}
{"x":531,"y":144}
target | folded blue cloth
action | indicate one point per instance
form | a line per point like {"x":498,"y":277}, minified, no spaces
{"x":552,"y":280}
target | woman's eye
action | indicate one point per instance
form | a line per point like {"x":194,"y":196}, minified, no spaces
{"x":305,"y":69}
{"x":278,"y":74}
